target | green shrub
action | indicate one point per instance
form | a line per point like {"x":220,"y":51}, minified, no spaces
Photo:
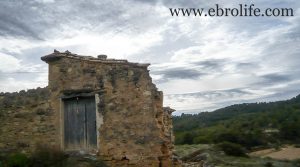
{"x":232,"y":137}
{"x":231,"y":149}
{"x":18,"y":160}
{"x":45,"y":156}
{"x":202,"y":140}
{"x":296,"y":162}
{"x":188,"y":138}
{"x":269,"y":164}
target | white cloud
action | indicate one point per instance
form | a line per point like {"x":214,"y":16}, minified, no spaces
{"x":119,"y":45}
{"x":12,"y":84}
{"x":9,"y":63}
{"x":16,"y":45}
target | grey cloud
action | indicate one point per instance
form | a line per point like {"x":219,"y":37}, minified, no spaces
{"x":280,"y":95}
{"x":215,"y":95}
{"x":294,"y":32}
{"x":271,"y":79}
{"x":11,"y":27}
{"x":224,"y":98}
{"x":31,"y":19}
{"x":217,"y":103}
{"x":182,"y":73}
{"x":178,"y":73}
{"x":18,"y":18}
{"x":190,"y":4}
{"x":193,"y":70}
{"x":246,"y":65}
{"x":283,"y":93}
{"x":217,"y":98}
{"x":275,"y":78}
{"x":212,"y":64}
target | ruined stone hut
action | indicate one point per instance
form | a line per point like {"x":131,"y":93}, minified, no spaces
{"x":110,"y":108}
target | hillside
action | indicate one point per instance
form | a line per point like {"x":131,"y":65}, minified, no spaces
{"x":250,"y":125}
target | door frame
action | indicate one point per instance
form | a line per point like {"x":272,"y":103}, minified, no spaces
{"x":99,"y":121}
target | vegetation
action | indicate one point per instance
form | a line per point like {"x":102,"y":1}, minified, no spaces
{"x":47,"y":157}
{"x":42,"y":157}
{"x":18,"y":160}
{"x":250,"y":125}
{"x":231,"y":149}
{"x":209,"y":155}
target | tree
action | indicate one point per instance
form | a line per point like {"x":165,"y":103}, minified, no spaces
{"x":232,"y":149}
{"x":188,"y":138}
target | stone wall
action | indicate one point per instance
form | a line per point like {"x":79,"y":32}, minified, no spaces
{"x":23,"y":129}
{"x":136,"y":130}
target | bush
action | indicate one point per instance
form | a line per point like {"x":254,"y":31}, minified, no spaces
{"x":269,"y":164}
{"x":188,"y":138}
{"x":202,"y":140}
{"x":232,"y":149}
{"x":18,"y":160}
{"x":45,"y":156}
{"x":231,"y":137}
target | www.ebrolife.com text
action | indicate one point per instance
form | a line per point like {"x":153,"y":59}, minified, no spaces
{"x":242,"y":10}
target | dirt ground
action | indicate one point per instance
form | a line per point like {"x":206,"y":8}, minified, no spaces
{"x":285,"y":153}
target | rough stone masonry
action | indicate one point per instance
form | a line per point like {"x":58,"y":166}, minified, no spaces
{"x":132,"y":127}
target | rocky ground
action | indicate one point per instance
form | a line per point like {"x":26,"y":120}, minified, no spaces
{"x":208,"y":156}
{"x":285,"y":153}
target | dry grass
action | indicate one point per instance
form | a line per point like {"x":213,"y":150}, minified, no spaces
{"x":285,"y":153}
{"x":184,"y":150}
{"x":208,"y":155}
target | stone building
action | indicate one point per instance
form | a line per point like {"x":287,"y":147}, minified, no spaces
{"x":109,"y":108}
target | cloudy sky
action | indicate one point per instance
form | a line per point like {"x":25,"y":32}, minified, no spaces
{"x":201,"y":63}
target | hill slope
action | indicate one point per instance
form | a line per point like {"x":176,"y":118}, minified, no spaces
{"x":250,"y":125}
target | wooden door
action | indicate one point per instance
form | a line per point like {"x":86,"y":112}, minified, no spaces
{"x":80,"y":124}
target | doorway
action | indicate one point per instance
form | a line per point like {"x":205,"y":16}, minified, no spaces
{"x":80,"y":126}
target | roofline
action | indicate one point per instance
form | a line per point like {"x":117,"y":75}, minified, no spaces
{"x":56,"y":55}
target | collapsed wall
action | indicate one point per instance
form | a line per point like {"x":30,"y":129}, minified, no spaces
{"x":133,"y":128}
{"x":28,"y":127}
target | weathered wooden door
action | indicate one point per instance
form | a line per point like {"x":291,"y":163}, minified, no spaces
{"x":80,"y":124}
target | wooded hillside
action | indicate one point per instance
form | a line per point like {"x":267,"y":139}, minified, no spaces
{"x":250,"y":125}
